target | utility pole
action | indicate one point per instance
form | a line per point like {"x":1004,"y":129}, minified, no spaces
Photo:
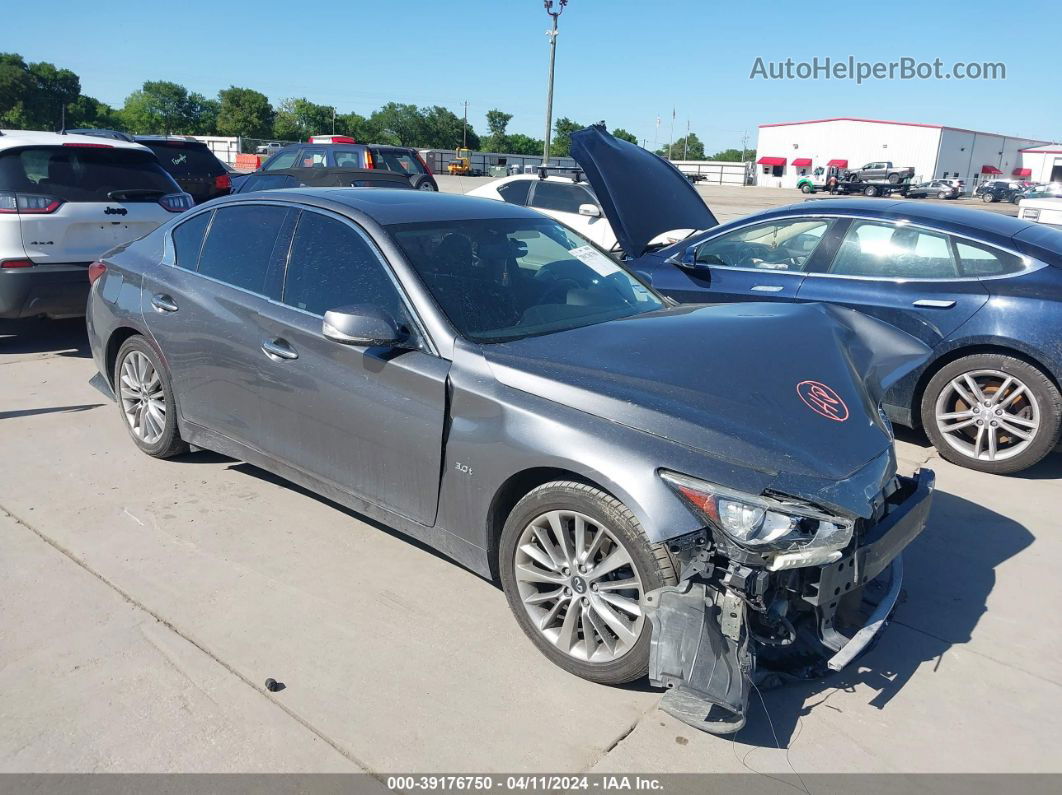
{"x":672,"y":143}
{"x":464,"y":129}
{"x":552,"y":60}
{"x":686,"y":141}
{"x":333,"y":120}
{"x":656,"y":135}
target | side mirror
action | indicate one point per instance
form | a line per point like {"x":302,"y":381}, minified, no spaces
{"x":688,"y":259}
{"x":590,"y":210}
{"x":360,"y":325}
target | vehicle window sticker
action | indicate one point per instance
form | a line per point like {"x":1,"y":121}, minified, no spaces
{"x":597,"y":261}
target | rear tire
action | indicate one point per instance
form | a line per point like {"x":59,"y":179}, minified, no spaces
{"x":870,"y":190}
{"x":987,"y":198}
{"x":1024,"y":403}
{"x":145,"y":399}
{"x":531,"y":548}
{"x":894,"y":179}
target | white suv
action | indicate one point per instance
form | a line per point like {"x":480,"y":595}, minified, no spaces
{"x":64,"y":201}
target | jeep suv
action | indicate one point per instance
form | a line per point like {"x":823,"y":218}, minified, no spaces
{"x":64,"y":201}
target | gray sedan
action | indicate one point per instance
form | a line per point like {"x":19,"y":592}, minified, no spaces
{"x":657,"y":488}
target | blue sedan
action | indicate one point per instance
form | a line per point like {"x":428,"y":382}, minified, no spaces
{"x":982,"y":290}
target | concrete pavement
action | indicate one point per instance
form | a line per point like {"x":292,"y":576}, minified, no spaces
{"x":143,"y":603}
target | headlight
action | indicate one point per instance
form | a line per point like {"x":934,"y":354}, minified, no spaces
{"x":788,"y":533}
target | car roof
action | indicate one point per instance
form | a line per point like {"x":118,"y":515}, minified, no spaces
{"x":945,"y":216}
{"x":398,"y":206}
{"x":10,"y":139}
{"x":168,"y":139}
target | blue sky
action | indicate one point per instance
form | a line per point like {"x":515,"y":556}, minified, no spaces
{"x":623,"y":61}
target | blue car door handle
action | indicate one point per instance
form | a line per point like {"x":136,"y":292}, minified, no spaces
{"x":278,"y":349}
{"x":768,"y":288}
{"x":934,"y":304}
{"x":163,"y":303}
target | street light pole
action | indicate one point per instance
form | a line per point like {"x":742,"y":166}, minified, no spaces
{"x":464,"y":129}
{"x":552,"y":60}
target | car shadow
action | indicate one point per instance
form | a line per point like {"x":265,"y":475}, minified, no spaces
{"x":947,"y":581}
{"x":209,"y":457}
{"x":60,"y":337}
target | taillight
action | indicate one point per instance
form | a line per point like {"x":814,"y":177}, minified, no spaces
{"x":16,"y":263}
{"x":223,"y":182}
{"x":95,"y":270}
{"x":423,"y":162}
{"x":177,"y":202}
{"x":368,"y":160}
{"x":28,"y":203}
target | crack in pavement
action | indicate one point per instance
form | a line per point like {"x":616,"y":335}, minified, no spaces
{"x":141,"y":606}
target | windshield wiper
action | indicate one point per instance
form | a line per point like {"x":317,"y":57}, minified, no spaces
{"x":131,"y":193}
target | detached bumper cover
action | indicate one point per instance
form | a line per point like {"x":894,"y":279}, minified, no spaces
{"x":702,"y":648}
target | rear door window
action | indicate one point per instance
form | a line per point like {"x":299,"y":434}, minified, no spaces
{"x":979,"y":260}
{"x":188,"y":239}
{"x":888,"y":251}
{"x":246,"y":246}
{"x":86,"y":174}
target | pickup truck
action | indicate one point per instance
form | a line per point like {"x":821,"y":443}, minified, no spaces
{"x":882,"y":170}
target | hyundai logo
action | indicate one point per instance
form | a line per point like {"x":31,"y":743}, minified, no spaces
{"x":115,"y":211}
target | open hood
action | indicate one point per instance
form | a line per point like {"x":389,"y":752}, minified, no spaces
{"x":642,"y":194}
{"x":787,"y":389}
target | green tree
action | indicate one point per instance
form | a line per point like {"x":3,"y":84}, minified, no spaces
{"x":497,"y":140}
{"x":623,"y":135}
{"x":297,"y":119}
{"x":87,"y":111}
{"x":520,"y":144}
{"x":561,"y":145}
{"x":402,"y":123}
{"x":162,"y":107}
{"x":687,"y":148}
{"x":441,"y":128}
{"x":33,"y":96}
{"x":244,"y":112}
{"x":733,"y":155}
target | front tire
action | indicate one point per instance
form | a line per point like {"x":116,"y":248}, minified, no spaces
{"x":805,"y":188}
{"x":145,"y":399}
{"x":870,"y":190}
{"x":988,"y":198}
{"x":575,"y":565}
{"x":992,"y":412}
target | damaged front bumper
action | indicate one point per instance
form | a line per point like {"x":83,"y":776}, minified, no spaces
{"x":726,"y":626}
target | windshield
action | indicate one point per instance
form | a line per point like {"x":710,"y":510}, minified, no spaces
{"x":85,"y":174}
{"x":502,"y":279}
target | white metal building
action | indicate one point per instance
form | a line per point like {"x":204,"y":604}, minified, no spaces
{"x":789,"y":150}
{"x":1041,"y":164}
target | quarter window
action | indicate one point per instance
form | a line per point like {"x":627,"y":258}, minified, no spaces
{"x":778,"y":246}
{"x":894,"y":252}
{"x":515,"y":192}
{"x":242,"y":243}
{"x":978,"y":260}
{"x":332,"y":266}
{"x":188,"y":239}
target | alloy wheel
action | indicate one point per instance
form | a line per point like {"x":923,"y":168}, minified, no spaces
{"x":579,"y":586}
{"x":142,"y":396}
{"x":987,"y":415}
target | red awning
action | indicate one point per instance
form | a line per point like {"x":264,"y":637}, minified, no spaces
{"x":802,"y":162}
{"x":838,"y":163}
{"x":1023,"y":172}
{"x":990,"y":170}
{"x":771,"y":161}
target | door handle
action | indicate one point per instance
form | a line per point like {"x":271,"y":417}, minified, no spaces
{"x":278,"y":349}
{"x":934,"y":304}
{"x":163,"y":303}
{"x":768,"y":288}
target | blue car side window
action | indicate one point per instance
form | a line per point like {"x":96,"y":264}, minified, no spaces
{"x":779,"y":245}
{"x":888,"y":251}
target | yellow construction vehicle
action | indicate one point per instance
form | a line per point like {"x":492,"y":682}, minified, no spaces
{"x":462,"y":164}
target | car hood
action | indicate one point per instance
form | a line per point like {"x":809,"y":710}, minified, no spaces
{"x":642,"y":194}
{"x":788,"y":389}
